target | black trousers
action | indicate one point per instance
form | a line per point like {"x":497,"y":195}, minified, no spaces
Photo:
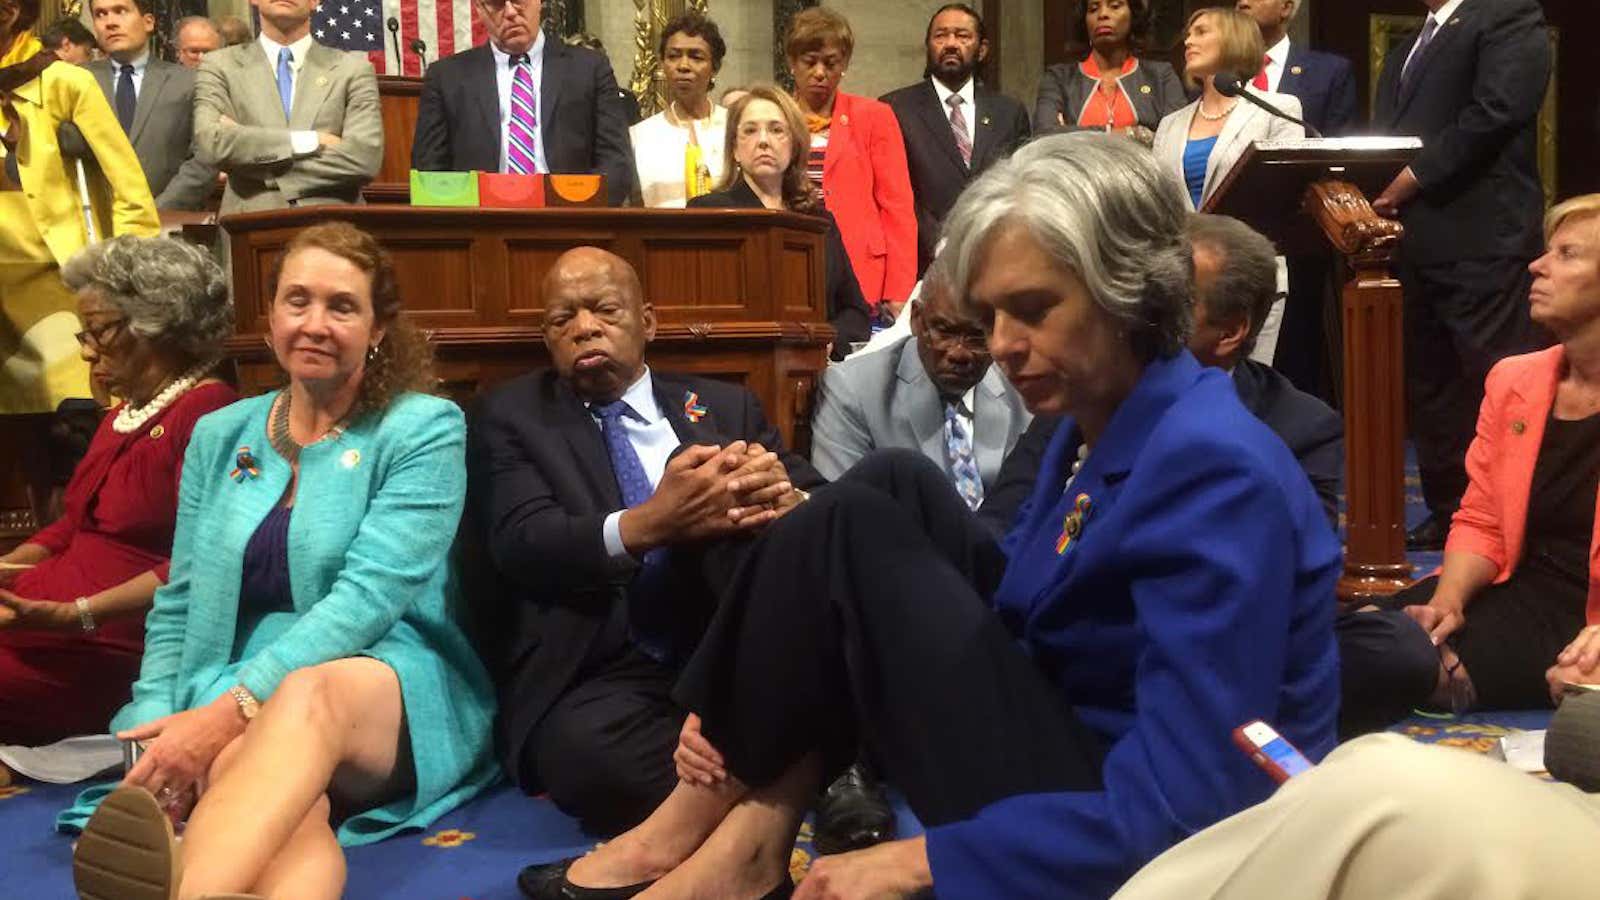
{"x":1303,"y":354}
{"x":1460,"y":319}
{"x":1387,"y":668}
{"x":861,"y":618}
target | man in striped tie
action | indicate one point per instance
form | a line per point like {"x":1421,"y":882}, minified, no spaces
{"x":523,"y":104}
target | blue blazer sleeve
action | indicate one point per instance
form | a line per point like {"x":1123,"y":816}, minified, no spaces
{"x":402,"y":541}
{"x":1212,"y":538}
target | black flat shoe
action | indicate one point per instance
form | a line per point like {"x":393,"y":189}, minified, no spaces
{"x":1430,"y":535}
{"x":549,"y":882}
{"x":853,"y":813}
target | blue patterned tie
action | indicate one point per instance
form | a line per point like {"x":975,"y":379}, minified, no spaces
{"x":958,"y":452}
{"x":649,"y":625}
{"x":285,"y":80}
{"x":1429,"y":29}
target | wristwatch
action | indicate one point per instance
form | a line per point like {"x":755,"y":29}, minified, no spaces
{"x":248,"y":705}
{"x":85,"y":618}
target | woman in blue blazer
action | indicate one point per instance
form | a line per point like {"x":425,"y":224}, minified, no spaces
{"x":304,"y":683}
{"x":1058,"y":708}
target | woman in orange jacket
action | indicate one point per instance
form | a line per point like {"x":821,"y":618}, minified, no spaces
{"x":1515,"y":610}
{"x":857,"y":157}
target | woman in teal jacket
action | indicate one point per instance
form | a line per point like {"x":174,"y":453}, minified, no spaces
{"x":304,"y":683}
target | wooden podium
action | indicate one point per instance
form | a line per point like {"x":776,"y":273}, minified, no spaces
{"x":1309,"y":195}
{"x":738,"y":294}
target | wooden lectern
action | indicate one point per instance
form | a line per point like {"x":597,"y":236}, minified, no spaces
{"x":738,"y":294}
{"x":1307,"y":195}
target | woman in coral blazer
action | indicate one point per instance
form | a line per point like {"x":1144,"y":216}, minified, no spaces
{"x":1515,"y":610}
{"x":858,"y":158}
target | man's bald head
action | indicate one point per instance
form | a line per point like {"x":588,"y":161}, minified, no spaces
{"x":596,"y":322}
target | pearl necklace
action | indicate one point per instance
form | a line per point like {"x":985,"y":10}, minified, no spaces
{"x":1077,"y":466}
{"x":130,"y":418}
{"x":1219,"y":116}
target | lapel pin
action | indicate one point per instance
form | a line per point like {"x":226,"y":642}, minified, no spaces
{"x":984,"y":120}
{"x":245,"y":465}
{"x":693,"y":409}
{"x":1144,"y":89}
{"x":1518,"y":427}
{"x":844,"y":120}
{"x":1297,"y":71}
{"x":322,"y":80}
{"x":1072,"y":525}
{"x":350,"y":458}
{"x":157,"y":432}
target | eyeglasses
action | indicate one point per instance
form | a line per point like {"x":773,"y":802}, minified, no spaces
{"x":101,"y":336}
{"x":976,"y":341}
{"x":499,"y":6}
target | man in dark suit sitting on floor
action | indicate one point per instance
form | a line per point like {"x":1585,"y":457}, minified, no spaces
{"x":522,"y":103}
{"x":1235,"y":284}
{"x":953,"y":127}
{"x":601,"y":488}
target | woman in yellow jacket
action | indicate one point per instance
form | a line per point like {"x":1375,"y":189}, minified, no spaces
{"x":41,"y":216}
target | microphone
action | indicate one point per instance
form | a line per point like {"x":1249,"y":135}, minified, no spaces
{"x":394,"y":35}
{"x":1231,"y":85}
{"x":420,"y":48}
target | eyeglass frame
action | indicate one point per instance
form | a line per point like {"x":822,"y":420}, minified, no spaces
{"x":976,"y":342}
{"x":96,"y":336}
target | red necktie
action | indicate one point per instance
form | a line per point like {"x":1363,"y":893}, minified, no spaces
{"x":1260,"y":83}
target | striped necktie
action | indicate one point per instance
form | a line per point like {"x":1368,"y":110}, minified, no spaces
{"x":521,"y":159}
{"x":958,"y":125}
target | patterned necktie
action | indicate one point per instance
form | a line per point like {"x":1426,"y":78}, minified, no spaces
{"x":958,"y":452}
{"x":648,"y":627}
{"x":520,"y":156}
{"x":285,"y":80}
{"x":958,"y":124}
{"x":1429,"y":29}
{"x":1261,"y":83}
{"x":126,"y":100}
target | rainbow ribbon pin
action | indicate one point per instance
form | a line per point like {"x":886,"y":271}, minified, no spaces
{"x":245,"y":466}
{"x":693,"y":409}
{"x":1072,"y":525}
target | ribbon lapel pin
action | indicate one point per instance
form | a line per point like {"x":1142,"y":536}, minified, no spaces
{"x":245,"y":466}
{"x":693,"y":409}
{"x":1072,"y":526}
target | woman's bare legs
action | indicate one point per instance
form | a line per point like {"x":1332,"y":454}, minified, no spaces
{"x":310,"y":866}
{"x":338,"y":727}
{"x":663,"y":840}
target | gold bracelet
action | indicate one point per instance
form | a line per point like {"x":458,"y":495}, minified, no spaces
{"x":85,"y":617}
{"x":248,"y":704}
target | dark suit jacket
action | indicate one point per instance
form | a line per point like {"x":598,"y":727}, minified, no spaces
{"x":163,"y":133}
{"x":581,"y":120}
{"x":541,"y":486}
{"x":1313,"y":432}
{"x":847,"y":308}
{"x":1473,"y":98}
{"x":999,"y":126}
{"x":1326,"y":86}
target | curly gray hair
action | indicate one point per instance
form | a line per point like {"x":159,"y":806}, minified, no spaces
{"x":172,"y":292}
{"x":1101,"y":206}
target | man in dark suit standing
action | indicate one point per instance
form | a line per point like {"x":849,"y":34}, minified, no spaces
{"x":1470,"y":85}
{"x":523,"y":103}
{"x":1235,"y":285}
{"x":602,"y":488}
{"x":953,"y":127}
{"x":154,"y":101}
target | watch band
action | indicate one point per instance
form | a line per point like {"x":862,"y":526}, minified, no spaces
{"x":248,"y":705}
{"x":85,"y":617}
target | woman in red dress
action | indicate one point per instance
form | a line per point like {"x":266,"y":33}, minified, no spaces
{"x":155,"y":312}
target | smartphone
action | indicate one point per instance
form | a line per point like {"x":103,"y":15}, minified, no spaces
{"x":131,"y":751}
{"x":1270,"y":750}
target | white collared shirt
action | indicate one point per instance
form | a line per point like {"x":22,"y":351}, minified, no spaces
{"x":1442,"y":16}
{"x":968,"y":109}
{"x":140,"y":64}
{"x":1279,"y":54}
{"x":303,"y":143}
{"x":653,"y":439}
{"x":503,"y":75}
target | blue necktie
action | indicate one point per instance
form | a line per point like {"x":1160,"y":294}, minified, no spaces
{"x":649,"y":621}
{"x":1429,"y":29}
{"x":958,"y":452}
{"x":126,"y":99}
{"x":285,"y":80}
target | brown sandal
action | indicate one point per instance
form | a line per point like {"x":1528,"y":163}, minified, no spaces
{"x":127,"y":850}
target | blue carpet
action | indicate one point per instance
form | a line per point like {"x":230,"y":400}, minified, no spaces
{"x":475,"y":852}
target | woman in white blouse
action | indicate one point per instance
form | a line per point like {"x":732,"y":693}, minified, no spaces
{"x":679,"y":151}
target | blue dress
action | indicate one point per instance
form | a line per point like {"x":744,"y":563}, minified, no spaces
{"x":1196,"y":157}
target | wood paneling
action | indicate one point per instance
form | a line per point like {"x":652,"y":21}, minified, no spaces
{"x":397,"y":98}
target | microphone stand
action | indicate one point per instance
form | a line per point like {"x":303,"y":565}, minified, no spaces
{"x":1230,"y":85}
{"x":420,"y":48}
{"x":394,"y":38}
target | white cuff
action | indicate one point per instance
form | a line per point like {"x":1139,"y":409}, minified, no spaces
{"x":611,"y":531}
{"x":303,"y":143}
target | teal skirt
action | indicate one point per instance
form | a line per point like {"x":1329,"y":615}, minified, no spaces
{"x":438,"y":792}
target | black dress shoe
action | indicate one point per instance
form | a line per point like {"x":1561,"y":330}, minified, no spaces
{"x":853,"y":813}
{"x":1430,"y":535}
{"x":549,"y":882}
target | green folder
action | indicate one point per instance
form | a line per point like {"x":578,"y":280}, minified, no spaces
{"x":444,"y":188}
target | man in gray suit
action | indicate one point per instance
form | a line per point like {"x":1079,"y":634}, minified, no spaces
{"x":290,"y":121}
{"x":154,"y":101}
{"x":935,"y":392}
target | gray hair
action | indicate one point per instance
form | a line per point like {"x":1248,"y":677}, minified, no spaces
{"x":172,"y":292}
{"x":186,"y":21}
{"x":1101,"y":206}
{"x":1246,"y":283}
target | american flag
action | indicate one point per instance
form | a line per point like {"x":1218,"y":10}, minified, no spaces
{"x":446,"y":26}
